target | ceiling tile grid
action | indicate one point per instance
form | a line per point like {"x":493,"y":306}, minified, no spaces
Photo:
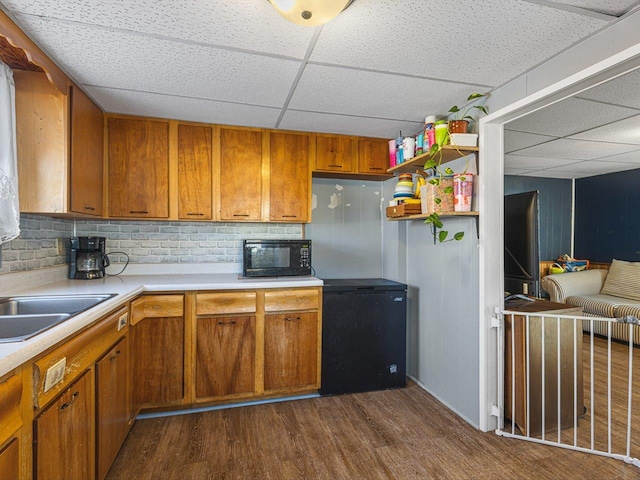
{"x":528,"y":162}
{"x":609,"y":7}
{"x":514,"y":140}
{"x":623,"y":131}
{"x":620,"y":91}
{"x":247,"y":24}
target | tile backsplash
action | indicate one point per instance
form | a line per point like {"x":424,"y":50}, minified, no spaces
{"x":143,"y":241}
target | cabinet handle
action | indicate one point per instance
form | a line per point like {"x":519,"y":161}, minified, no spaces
{"x":115,"y":355}
{"x":70,"y":402}
{"x":289,"y":216}
{"x":138,"y":211}
{"x":375,"y":168}
{"x":195,"y":214}
{"x":334,"y":165}
{"x":87,"y":207}
{"x":232,"y":322}
{"x":240,"y":214}
{"x":291,"y":319}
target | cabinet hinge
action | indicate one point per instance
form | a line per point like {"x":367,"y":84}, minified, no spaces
{"x":495,"y":321}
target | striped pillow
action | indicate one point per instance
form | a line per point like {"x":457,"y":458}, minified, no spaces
{"x":623,"y":280}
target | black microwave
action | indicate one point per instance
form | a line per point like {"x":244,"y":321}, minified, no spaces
{"x":276,"y":258}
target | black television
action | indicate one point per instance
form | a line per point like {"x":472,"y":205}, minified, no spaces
{"x":521,"y":244}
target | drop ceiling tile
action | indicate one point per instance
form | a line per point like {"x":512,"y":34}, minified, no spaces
{"x":594,"y":167}
{"x":534,"y":163}
{"x":616,"y":8}
{"x":330,"y":123}
{"x":576,"y":149}
{"x":569,"y":116}
{"x":554,"y":174}
{"x":516,"y":171}
{"x":630,"y":157}
{"x":181,"y":108}
{"x":623,"y":131}
{"x":619,"y":91}
{"x":251,"y":25}
{"x":107,"y":58}
{"x":371,"y":94}
{"x":514,"y":141}
{"x":417,"y":37}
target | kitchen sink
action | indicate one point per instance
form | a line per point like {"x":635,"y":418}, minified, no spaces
{"x":23,"y":317}
{"x":15,"y":328}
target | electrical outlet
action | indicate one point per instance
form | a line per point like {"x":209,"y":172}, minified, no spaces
{"x":55,"y":374}
{"x":122,"y":321}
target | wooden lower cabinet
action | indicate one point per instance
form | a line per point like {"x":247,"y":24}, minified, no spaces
{"x":10,"y":461}
{"x":225,"y":356}
{"x":64,"y":434}
{"x":291,"y":350}
{"x":113,"y":406}
{"x":157,"y":346}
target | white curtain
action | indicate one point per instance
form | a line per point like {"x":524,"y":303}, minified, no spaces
{"x":9,"y":211}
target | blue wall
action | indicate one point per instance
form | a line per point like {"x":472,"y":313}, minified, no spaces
{"x":555,"y":211}
{"x":608,"y":217}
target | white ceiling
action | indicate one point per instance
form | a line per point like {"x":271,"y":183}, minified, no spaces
{"x":376,"y":70}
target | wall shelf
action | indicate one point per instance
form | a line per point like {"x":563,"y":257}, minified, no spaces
{"x":449,"y":154}
{"x":422,"y":216}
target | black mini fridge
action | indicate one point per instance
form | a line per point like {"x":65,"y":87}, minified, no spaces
{"x":364,"y":332}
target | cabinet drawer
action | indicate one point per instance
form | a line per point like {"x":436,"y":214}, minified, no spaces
{"x":10,"y":419}
{"x":157,"y":306}
{"x":285,"y":300}
{"x":80,"y":353}
{"x":224,"y":303}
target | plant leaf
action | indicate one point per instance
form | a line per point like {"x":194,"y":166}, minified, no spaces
{"x":442,"y":235}
{"x":437,"y":201}
{"x":482,"y":109}
{"x":448,"y":189}
{"x":448,"y":171}
{"x":458,"y":236}
{"x":454,"y":109}
{"x":434,"y":181}
{"x":429,"y":164}
{"x":475,"y":95}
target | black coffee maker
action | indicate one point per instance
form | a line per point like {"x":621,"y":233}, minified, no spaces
{"x":88,"y":259}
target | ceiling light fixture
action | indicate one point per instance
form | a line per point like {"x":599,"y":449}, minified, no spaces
{"x":310,"y":12}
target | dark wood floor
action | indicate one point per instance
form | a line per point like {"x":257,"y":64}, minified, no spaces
{"x":393,"y":434}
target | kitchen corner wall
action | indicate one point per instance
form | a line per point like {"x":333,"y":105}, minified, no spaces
{"x":144,"y":241}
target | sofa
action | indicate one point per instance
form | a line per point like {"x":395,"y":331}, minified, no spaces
{"x":613,"y":293}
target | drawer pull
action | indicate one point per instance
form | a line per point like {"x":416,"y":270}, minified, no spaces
{"x":334,"y":165}
{"x":375,"y":168}
{"x":138,"y":211}
{"x":232,"y":322}
{"x":195,"y":214}
{"x":115,"y":355}
{"x":87,"y":207}
{"x":240,"y":214}
{"x":289,"y":216}
{"x":70,"y":402}
{"x":291,"y":319}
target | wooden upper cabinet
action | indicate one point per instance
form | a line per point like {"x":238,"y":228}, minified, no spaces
{"x":87,"y":139}
{"x":334,"y":153}
{"x":138,"y":182}
{"x":240,"y":174}
{"x":373,"y":155}
{"x":42,"y":134}
{"x":194,"y":172}
{"x":290,"y":177}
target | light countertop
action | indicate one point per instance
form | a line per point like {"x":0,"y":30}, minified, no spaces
{"x":125,"y":288}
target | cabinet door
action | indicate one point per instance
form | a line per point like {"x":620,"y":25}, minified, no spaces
{"x":194,"y":172}
{"x":64,"y":435}
{"x":112,"y":405}
{"x":138,"y":168}
{"x":87,"y":138}
{"x":291,"y":350}
{"x":290,"y":180}
{"x":240,"y":175}
{"x":10,"y":461}
{"x":157,"y":349}
{"x":334,"y":154}
{"x":225,"y":355}
{"x":373,"y":155}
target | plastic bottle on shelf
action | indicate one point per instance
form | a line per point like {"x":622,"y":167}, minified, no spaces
{"x":429,"y":131}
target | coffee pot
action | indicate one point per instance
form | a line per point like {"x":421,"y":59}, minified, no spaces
{"x":87,"y":258}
